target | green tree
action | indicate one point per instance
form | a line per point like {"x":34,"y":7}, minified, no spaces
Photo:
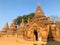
{"x":25,"y":17}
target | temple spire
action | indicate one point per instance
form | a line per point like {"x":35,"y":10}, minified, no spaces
{"x":28,"y":20}
{"x":39,"y":11}
{"x":13,"y":25}
{"x":22,"y":23}
{"x":6,"y":27}
{"x":38,"y":4}
{"x":22,"y":20}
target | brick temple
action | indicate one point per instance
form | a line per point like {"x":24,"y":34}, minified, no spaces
{"x":39,"y":28}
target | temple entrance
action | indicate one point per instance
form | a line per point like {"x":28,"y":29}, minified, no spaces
{"x":36,"y":35}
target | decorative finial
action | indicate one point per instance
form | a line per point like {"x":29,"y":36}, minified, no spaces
{"x":6,"y":25}
{"x":38,"y":4}
{"x":22,"y":20}
{"x":22,"y":23}
{"x":39,"y":11}
{"x":28,"y":20}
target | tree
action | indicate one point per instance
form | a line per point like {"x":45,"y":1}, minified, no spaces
{"x":25,"y":17}
{"x":54,"y":18}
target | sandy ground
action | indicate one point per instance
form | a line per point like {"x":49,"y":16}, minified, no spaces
{"x":16,"y":41}
{"x":20,"y":41}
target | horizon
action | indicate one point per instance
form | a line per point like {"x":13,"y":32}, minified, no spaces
{"x":11,"y":9}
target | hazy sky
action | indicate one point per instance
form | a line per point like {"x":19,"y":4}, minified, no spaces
{"x":10,"y":9}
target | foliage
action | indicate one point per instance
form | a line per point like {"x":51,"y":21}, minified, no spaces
{"x":25,"y":17}
{"x":54,"y":18}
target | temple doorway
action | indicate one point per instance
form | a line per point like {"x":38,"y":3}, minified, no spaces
{"x":36,"y":35}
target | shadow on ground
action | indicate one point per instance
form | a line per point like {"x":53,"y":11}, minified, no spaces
{"x":53,"y":43}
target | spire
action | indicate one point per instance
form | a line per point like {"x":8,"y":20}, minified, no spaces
{"x":13,"y":25}
{"x":39,"y":11}
{"x":22,"y":23}
{"x":28,"y":20}
{"x":21,"y":28}
{"x":38,"y":4}
{"x":22,"y":20}
{"x":6,"y":27}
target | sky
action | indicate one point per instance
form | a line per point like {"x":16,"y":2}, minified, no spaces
{"x":11,"y":9}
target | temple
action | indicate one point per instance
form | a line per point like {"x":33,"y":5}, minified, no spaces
{"x":39,"y":28}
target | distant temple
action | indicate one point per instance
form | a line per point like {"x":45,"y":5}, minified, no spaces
{"x":39,"y":28}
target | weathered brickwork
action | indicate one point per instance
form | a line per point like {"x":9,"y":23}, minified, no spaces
{"x":40,"y":28}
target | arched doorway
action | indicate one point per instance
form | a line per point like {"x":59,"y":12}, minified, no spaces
{"x":36,"y":35}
